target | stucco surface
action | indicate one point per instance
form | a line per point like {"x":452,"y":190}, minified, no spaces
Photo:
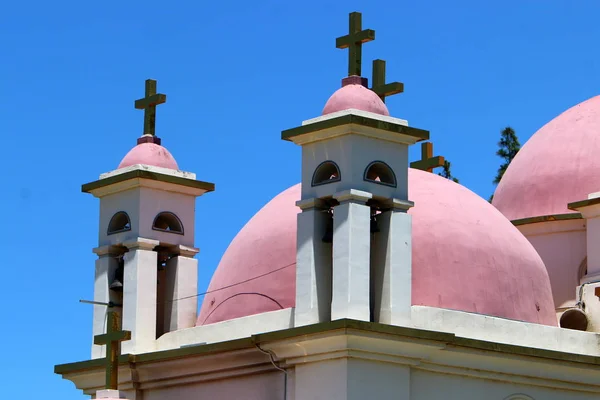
{"x":149,"y":154}
{"x":466,"y":256}
{"x":355,"y":96}
{"x":558,"y":165}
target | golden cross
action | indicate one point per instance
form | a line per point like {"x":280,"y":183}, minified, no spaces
{"x":112,"y":339}
{"x":381,"y":88}
{"x":427,"y":162}
{"x":353,"y":41}
{"x":148,"y":104}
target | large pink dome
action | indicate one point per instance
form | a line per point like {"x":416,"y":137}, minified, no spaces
{"x":559,"y":164}
{"x":149,"y":154}
{"x":466,"y":256}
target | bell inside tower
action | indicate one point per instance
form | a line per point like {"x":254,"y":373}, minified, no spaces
{"x":163,"y":307}
{"x":378,"y":250}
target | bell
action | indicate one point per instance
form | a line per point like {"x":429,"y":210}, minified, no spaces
{"x":117,"y":283}
{"x":574,"y":318}
{"x":328,"y":236}
{"x":374,"y":224}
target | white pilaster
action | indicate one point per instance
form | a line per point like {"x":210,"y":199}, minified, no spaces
{"x":351,"y":379}
{"x":313,"y":266}
{"x":590,"y":210}
{"x":392,"y":265}
{"x":139,"y":295}
{"x":351,"y":256}
{"x":182,"y":283}
{"x":105,"y":269}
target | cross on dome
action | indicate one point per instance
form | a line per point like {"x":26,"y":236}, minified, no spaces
{"x":381,"y":88}
{"x":148,"y":104}
{"x":353,"y":41}
{"x":112,"y":339}
{"x":427,"y":162}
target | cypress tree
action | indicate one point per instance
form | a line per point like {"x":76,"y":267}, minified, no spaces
{"x":509,"y":146}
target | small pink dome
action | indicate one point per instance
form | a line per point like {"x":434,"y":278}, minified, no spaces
{"x":559,"y":164}
{"x":149,"y":154}
{"x":466,"y":256}
{"x":355,"y":96}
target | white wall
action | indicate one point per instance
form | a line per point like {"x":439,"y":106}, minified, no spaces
{"x":562,"y":246}
{"x":427,"y":385}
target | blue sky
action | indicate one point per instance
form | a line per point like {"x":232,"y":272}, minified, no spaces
{"x":236,"y":74}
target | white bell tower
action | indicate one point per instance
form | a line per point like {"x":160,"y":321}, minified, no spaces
{"x":146,"y":241}
{"x":354,"y":232}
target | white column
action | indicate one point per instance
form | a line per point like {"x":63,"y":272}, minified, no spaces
{"x":139,"y":296}
{"x":351,"y":256}
{"x":105,"y":270}
{"x":182,"y":283}
{"x":392,"y":269}
{"x":313,"y":266}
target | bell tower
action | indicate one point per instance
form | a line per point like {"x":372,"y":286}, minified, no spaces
{"x":354,"y":232}
{"x":146,"y":240}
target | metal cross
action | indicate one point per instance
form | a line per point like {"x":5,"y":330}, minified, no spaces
{"x":148,"y":104}
{"x":381,"y":88}
{"x":427,"y":162}
{"x":353,"y":41}
{"x":112,"y":339}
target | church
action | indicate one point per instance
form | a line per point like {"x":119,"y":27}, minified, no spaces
{"x":371,"y":278}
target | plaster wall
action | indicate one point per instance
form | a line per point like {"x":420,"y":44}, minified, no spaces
{"x":501,"y":330}
{"x":143,"y":204}
{"x":426,"y":385}
{"x":352,"y":154}
{"x":562,"y":247}
{"x":265,"y":386}
{"x":351,"y":379}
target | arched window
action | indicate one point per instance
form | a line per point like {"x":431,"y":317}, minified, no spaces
{"x":326,"y":172}
{"x":380,"y":172}
{"x":519,"y":396}
{"x":168,"y":222}
{"x":119,"y":223}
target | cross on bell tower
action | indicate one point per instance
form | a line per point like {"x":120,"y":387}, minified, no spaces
{"x":112,"y":339}
{"x":353,"y":41}
{"x":381,"y":88}
{"x":148,"y":104}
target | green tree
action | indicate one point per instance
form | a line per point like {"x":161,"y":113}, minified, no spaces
{"x":509,"y":147}
{"x":446,"y":172}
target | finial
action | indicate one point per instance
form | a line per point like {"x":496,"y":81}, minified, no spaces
{"x":427,"y":162}
{"x":381,"y":88}
{"x":148,"y":104}
{"x":112,"y":339}
{"x":353,"y":41}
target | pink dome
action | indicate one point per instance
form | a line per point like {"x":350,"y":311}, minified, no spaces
{"x":354,"y":95}
{"x":559,"y":164}
{"x":149,"y":154}
{"x":466,"y":256}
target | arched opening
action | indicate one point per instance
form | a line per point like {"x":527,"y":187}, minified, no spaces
{"x":168,"y":222}
{"x":326,"y":172}
{"x":119,"y":222}
{"x":381,"y":173}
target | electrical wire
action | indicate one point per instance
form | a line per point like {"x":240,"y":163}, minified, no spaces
{"x":272,"y":357}
{"x":233,"y":284}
